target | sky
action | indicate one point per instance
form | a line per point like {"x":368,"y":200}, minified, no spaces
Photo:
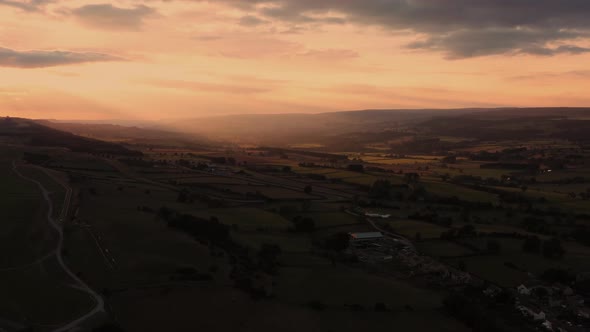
{"x":164,"y":59}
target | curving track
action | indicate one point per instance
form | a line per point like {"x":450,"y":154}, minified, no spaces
{"x":99,"y":307}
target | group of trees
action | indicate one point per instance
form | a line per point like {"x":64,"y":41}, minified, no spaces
{"x":207,"y":229}
{"x":494,"y":247}
{"x":268,"y":257}
{"x":35,"y":158}
{"x":475,"y":314}
{"x":338,"y":241}
{"x":465,"y":231}
{"x":184,"y":197}
{"x":551,"y":248}
{"x":303,"y":224}
{"x":381,"y":189}
{"x":582,"y":235}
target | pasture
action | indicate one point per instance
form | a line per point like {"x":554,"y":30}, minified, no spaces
{"x":440,"y":248}
{"x":24,"y":231}
{"x":409,"y":228}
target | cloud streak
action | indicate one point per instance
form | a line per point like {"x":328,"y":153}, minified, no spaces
{"x":459,"y":28}
{"x":251,"y":21}
{"x":26,"y":5}
{"x":207,"y":87}
{"x":107,"y":16}
{"x":41,"y":59}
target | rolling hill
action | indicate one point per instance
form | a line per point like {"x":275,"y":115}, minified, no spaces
{"x":28,"y":132}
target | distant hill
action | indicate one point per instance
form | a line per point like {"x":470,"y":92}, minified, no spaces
{"x":284,"y":129}
{"x":131,"y":135}
{"x":555,"y":123}
{"x":29,"y":132}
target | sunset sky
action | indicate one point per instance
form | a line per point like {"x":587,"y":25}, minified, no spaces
{"x":102,"y":59}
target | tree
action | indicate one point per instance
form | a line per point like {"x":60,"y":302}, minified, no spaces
{"x":494,"y":247}
{"x":381,"y":307}
{"x":316,"y":305}
{"x":411,"y":177}
{"x":449,"y":160}
{"x":532,"y":244}
{"x":558,"y":275}
{"x":338,"y":241}
{"x":462,"y":266}
{"x":582,"y":235}
{"x":305,"y":205}
{"x":356,"y":168}
{"x":182,"y":196}
{"x":305,"y":224}
{"x":380,"y":189}
{"x":165,"y":213}
{"x":108,"y":327}
{"x":268,"y":257}
{"x":466,"y":231}
{"x":541,"y":292}
{"x":466,"y":215}
{"x":553,"y":249}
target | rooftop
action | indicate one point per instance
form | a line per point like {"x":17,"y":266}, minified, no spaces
{"x":366,"y":235}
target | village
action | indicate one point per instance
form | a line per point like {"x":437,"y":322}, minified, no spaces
{"x":552,"y":307}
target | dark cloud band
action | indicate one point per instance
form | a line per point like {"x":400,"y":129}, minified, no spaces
{"x":107,"y":16}
{"x":40,"y":59}
{"x":460,"y":28}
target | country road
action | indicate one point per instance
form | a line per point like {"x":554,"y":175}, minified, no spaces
{"x":99,"y":307}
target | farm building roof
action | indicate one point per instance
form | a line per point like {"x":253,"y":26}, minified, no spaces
{"x":366,"y":235}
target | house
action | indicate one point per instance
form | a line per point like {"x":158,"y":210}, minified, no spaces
{"x":365,"y":237}
{"x":377,"y":215}
{"x":530,"y":313}
{"x":523,"y":290}
{"x":540,"y":316}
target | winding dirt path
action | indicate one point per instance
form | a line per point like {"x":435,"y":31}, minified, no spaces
{"x":81,"y":285}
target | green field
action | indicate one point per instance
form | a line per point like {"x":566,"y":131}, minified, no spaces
{"x":440,"y":248}
{"x":41,"y":295}
{"x":331,"y":218}
{"x":155,"y":310}
{"x":495,"y":269}
{"x":270,"y":192}
{"x":24,"y":232}
{"x":446,"y":189}
{"x":247,"y":218}
{"x":35,"y":289}
{"x":144,"y":249}
{"x":356,"y":178}
{"x":409,"y":228}
{"x":294,"y":243}
{"x":337,"y":286}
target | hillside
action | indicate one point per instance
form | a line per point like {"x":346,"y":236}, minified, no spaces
{"x":323,"y":128}
{"x":554,"y":123}
{"x":129,"y":135}
{"x":286,"y":128}
{"x":29,"y":132}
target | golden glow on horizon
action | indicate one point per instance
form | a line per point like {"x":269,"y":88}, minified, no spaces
{"x":195,"y":59}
